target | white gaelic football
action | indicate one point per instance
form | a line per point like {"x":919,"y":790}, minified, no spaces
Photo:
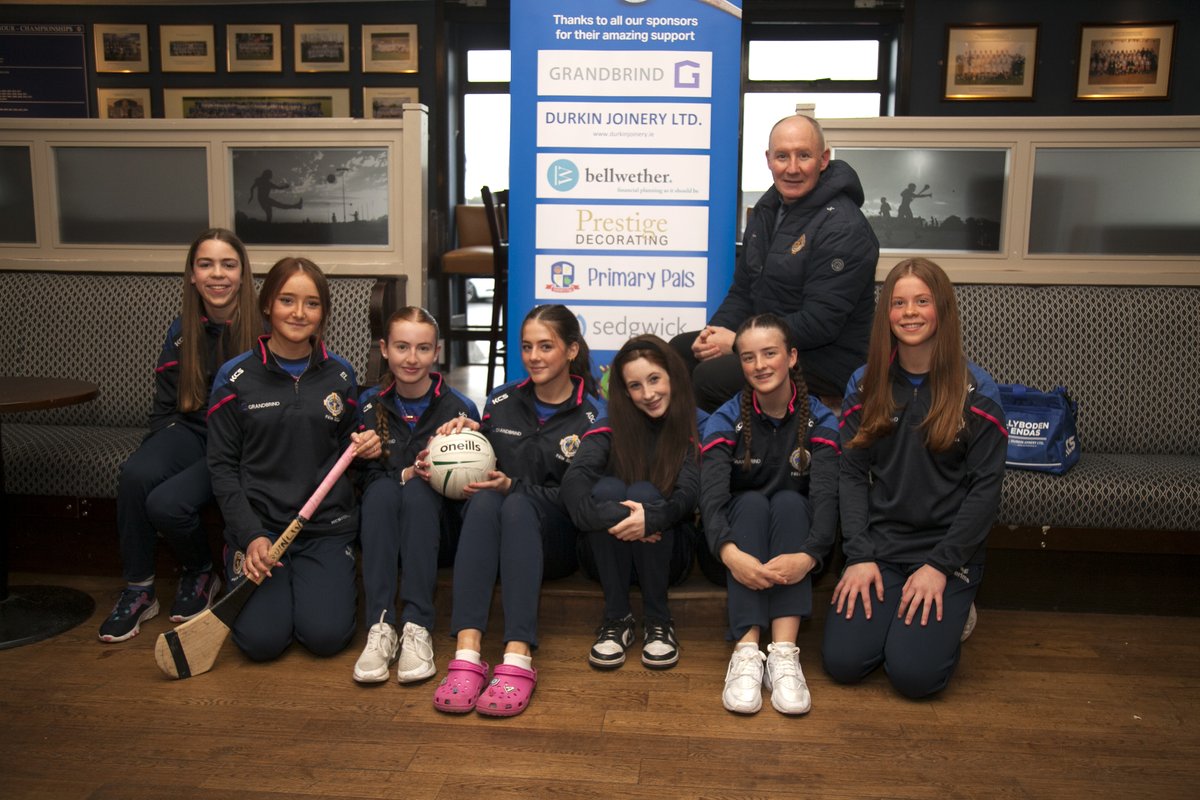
{"x":456,"y":459}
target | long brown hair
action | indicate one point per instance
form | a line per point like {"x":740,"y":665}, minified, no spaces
{"x":630,"y":433}
{"x":560,"y":320}
{"x":947,"y":375}
{"x":771,"y":322}
{"x":406,"y":314}
{"x":283,"y":269}
{"x":239,"y":334}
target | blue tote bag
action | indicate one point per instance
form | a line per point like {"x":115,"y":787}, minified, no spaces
{"x":1041,"y":428}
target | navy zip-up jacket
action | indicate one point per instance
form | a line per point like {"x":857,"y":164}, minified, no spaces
{"x":904,"y":504}
{"x":536,"y":456}
{"x":403,"y":443}
{"x":816,"y":270}
{"x":272,"y":438}
{"x":165,"y":410}
{"x":592,"y":463}
{"x":774,"y":465}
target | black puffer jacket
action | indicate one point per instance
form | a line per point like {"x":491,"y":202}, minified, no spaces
{"x":817,"y":271}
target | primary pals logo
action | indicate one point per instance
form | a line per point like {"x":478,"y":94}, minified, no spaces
{"x":562,"y":277}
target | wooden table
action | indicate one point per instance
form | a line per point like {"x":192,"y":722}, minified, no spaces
{"x":31,"y":613}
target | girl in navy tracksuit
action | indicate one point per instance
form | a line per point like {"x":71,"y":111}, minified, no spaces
{"x":279,"y":417}
{"x":515,"y":525}
{"x":632,"y":487}
{"x":165,"y":483}
{"x":769,"y":505}
{"x":403,"y":518}
{"x":924,"y":442}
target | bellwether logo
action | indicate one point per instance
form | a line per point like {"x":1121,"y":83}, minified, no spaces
{"x":562,"y":175}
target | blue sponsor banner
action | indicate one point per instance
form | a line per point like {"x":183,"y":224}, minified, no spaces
{"x":623,"y":165}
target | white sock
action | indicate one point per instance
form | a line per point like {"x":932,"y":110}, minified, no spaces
{"x":469,"y":655}
{"x":146,"y":584}
{"x":784,"y":645}
{"x":746,"y":645}
{"x":518,"y":660}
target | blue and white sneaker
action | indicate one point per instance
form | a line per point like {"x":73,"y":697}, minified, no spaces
{"x":197,"y":591}
{"x":133,"y":607}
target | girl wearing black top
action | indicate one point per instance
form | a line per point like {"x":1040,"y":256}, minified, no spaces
{"x":631,"y":486}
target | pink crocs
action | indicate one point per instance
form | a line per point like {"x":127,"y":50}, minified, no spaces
{"x":509,"y":692}
{"x":460,"y":689}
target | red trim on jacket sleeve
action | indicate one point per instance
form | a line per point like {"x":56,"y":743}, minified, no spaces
{"x":597,"y":430}
{"x":166,"y":366}
{"x":848,"y":412}
{"x":991,"y":419}
{"x":220,"y":403}
{"x":716,"y":442}
{"x":830,"y":442}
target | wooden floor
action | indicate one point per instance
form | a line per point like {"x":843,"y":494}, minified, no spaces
{"x":1044,"y":705}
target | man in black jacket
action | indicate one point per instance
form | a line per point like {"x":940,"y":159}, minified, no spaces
{"x":808,"y":255}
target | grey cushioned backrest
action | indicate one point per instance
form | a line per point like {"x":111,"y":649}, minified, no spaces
{"x":103,"y":328}
{"x":1129,"y":356}
{"x":108,"y":329}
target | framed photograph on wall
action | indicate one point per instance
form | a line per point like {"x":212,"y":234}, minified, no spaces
{"x":238,"y":103}
{"x":389,"y":48}
{"x":933,"y":199}
{"x":1126,"y":61}
{"x":322,"y":48}
{"x":310,"y":195}
{"x":123,"y":103}
{"x":187,"y":48}
{"x":990,"y":62}
{"x":387,"y":102}
{"x":121,"y":48}
{"x":253,"y":48}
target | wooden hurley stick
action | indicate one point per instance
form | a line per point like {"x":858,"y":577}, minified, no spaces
{"x":191,"y":648}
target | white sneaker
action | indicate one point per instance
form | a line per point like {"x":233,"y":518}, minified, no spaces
{"x":743,"y":680}
{"x":969,"y":628}
{"x":382,"y":646}
{"x":785,"y":679}
{"x":416,"y":654}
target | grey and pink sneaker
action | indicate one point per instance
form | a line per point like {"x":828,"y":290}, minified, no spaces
{"x":133,"y":607}
{"x":196,"y":593}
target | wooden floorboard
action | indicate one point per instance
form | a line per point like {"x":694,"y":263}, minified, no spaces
{"x":1044,"y":705}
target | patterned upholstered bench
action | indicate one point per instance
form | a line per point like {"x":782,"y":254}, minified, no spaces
{"x":1128,"y":356}
{"x":108,"y":329}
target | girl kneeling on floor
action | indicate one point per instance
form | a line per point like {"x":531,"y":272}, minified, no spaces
{"x":403,"y":519}
{"x":279,"y":418}
{"x":515,"y":525}
{"x":631,"y":487}
{"x":924,"y":447}
{"x":769,"y":503}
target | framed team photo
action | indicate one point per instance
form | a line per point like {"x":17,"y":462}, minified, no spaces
{"x":1126,"y":61}
{"x":990,"y":62}
{"x":187,"y":48}
{"x":387,"y":102}
{"x":240,"y":103}
{"x":322,"y":48}
{"x":121,"y":48}
{"x":389,"y":48}
{"x":123,"y":103}
{"x":253,"y":48}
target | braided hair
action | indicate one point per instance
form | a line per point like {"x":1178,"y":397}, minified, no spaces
{"x":406,"y":314}
{"x":770,"y":321}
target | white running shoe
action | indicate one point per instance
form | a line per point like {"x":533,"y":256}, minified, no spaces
{"x":416,"y":654}
{"x":785,"y":679}
{"x":969,"y":628}
{"x":382,"y":646}
{"x":743,"y":680}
